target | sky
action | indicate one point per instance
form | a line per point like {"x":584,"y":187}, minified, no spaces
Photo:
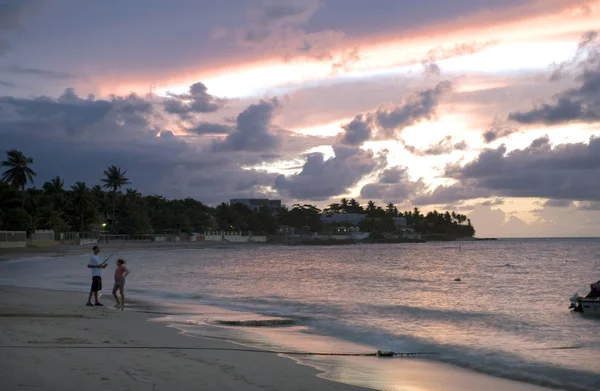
{"x":490,"y":108}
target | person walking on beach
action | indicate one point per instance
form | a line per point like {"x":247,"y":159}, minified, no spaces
{"x":96,"y":267}
{"x":120,"y":275}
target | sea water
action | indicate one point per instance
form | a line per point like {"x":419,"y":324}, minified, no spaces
{"x":508,"y":315}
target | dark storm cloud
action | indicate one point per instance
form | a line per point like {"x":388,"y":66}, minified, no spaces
{"x":563,"y":172}
{"x":254,"y":130}
{"x":388,"y":120}
{"x":393,"y":185}
{"x":197,"y":100}
{"x":77,"y":138}
{"x":321,"y":179}
{"x":581,"y":104}
{"x":442,"y":147}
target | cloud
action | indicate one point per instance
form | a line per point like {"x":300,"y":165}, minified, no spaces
{"x":346,"y":59}
{"x":321,"y":179}
{"x":548,"y":222}
{"x":588,"y":205}
{"x":558,"y":203}
{"x":581,"y":104}
{"x":494,"y":202}
{"x":442,"y":147}
{"x":415,"y":107}
{"x":359,"y":130}
{"x":586,"y":50}
{"x":7,"y":84}
{"x":495,"y":223}
{"x":76,"y":138}
{"x":42,"y":73}
{"x":388,"y":120}
{"x":254,"y":130}
{"x":393,"y":185}
{"x":499,"y":129}
{"x":450,"y":194}
{"x":209,"y":128}
{"x":277,"y":27}
{"x":197,"y":100}
{"x":569,"y":171}
{"x":431,"y":68}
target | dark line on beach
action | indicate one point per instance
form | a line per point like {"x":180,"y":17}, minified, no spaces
{"x":378,"y":354}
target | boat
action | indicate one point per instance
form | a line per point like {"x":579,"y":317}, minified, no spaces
{"x":590,"y":304}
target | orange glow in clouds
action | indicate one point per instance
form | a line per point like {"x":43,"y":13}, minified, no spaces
{"x":530,"y":42}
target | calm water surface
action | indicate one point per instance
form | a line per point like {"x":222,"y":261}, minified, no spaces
{"x":507,"y":316}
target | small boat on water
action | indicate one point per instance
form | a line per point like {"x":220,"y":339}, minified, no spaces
{"x":589,"y":305}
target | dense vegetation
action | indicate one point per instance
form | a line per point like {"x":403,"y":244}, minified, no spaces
{"x":110,"y":205}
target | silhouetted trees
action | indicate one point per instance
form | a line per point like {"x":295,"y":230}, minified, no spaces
{"x":106,"y":206}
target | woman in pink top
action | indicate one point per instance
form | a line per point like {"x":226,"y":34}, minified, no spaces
{"x":120,"y":273}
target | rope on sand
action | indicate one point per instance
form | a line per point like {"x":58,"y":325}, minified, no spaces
{"x":379,"y":353}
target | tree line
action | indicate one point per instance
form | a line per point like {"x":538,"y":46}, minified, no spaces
{"x":112,"y":206}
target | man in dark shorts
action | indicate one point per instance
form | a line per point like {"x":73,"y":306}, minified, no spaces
{"x":96,"y":267}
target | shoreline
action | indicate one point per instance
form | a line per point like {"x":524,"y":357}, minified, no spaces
{"x":59,"y":250}
{"x":79,"y":330}
{"x":62,"y":345}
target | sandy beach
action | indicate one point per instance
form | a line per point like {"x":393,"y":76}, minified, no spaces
{"x":50,"y":341}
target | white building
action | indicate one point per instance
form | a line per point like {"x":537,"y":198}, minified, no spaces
{"x":342,"y":218}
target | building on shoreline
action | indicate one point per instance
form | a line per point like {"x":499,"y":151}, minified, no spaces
{"x":256,"y":203}
{"x":343,"y":218}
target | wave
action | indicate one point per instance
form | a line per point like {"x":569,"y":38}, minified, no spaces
{"x":278,"y":306}
{"x":509,"y":366}
{"x":328,"y":320}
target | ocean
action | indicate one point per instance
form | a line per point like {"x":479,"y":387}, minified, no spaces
{"x":508,"y":315}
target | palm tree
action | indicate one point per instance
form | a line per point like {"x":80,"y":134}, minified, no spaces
{"x":354,"y":206}
{"x":344,"y":205}
{"x":371,"y":207}
{"x":82,"y":198}
{"x":18,"y":173}
{"x":333,"y":208}
{"x":391,"y":209}
{"x":114,"y":179}
{"x":55,"y":185}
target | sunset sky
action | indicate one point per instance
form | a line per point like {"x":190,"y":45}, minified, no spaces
{"x":490,"y":108}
